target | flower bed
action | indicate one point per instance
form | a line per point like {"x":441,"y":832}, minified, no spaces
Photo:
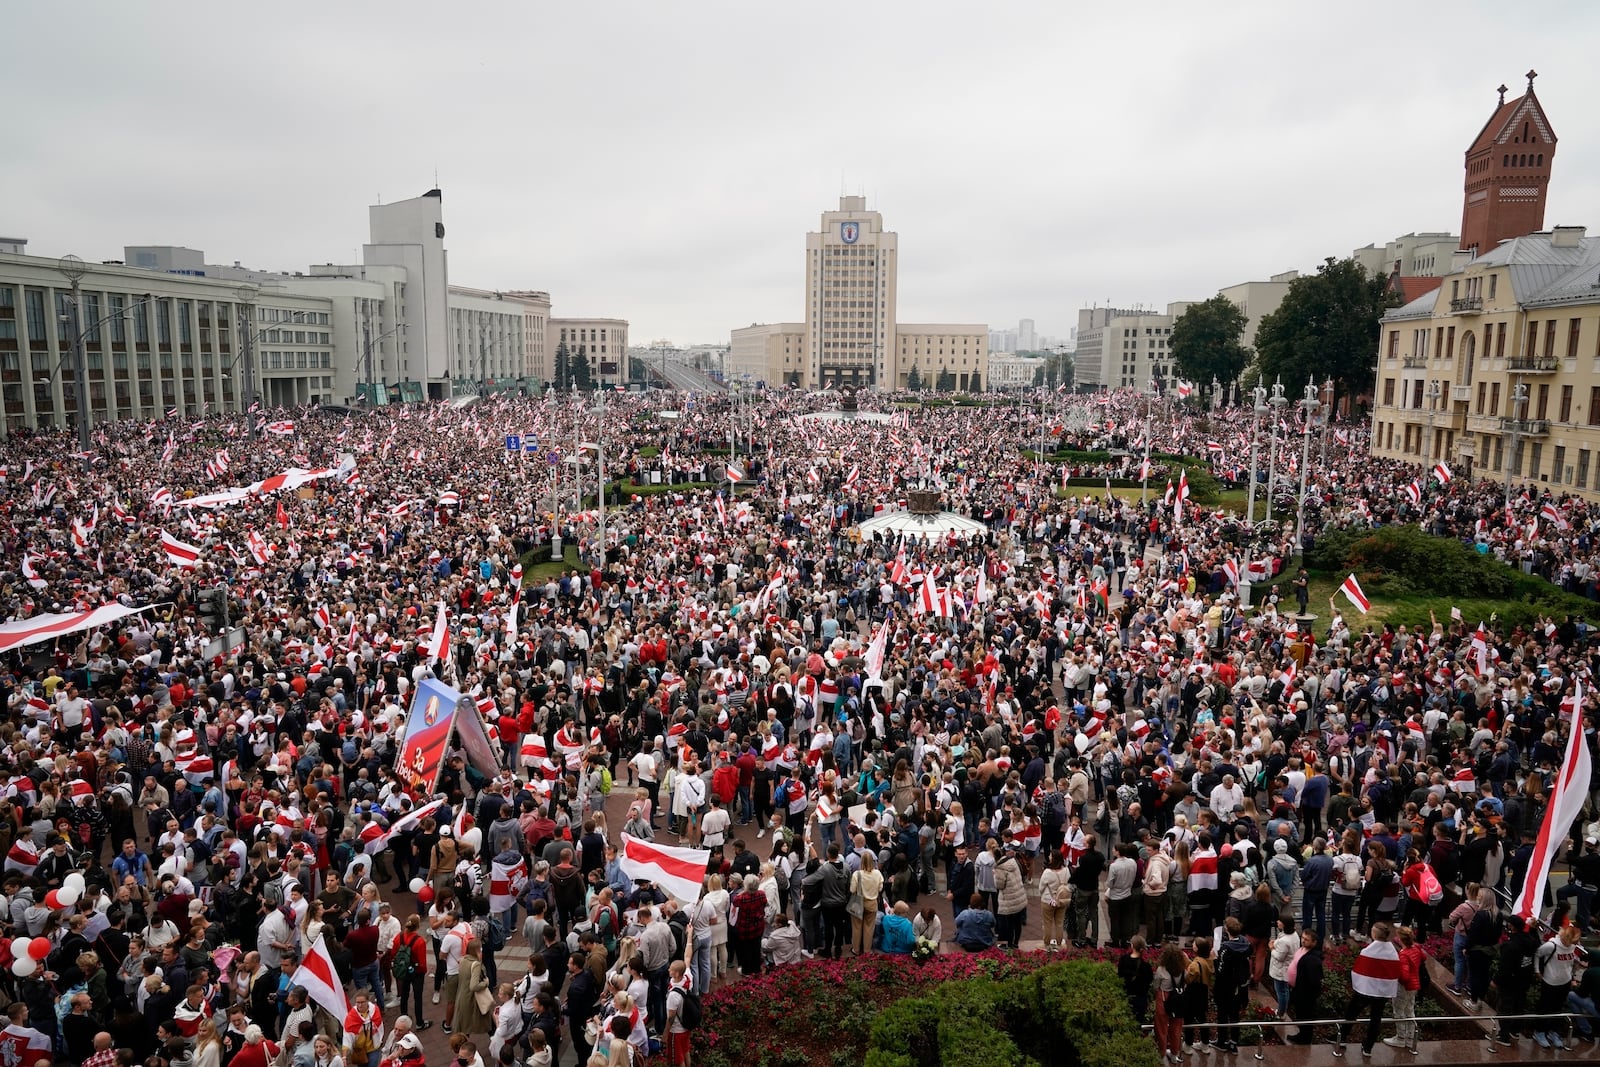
{"x":822,"y":1011}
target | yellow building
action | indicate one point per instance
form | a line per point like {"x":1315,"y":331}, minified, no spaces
{"x":1498,"y":370}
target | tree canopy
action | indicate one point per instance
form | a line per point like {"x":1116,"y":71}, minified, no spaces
{"x":1326,"y":327}
{"x":1206,"y":342}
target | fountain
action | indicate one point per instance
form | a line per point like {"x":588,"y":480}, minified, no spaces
{"x":849,"y":409}
{"x":923,"y":515}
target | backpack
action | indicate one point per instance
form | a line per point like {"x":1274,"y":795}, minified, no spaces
{"x":605,"y":780}
{"x":780,"y":797}
{"x":689,"y":1015}
{"x":1233,"y":970}
{"x":494,"y":936}
{"x":405,"y":964}
{"x":1350,"y":878}
{"x":1055,"y":812}
{"x":471,"y":903}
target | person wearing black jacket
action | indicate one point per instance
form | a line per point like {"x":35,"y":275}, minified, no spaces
{"x":1514,"y":978}
{"x":961,"y":878}
{"x":1084,"y":928}
{"x":1307,"y":988}
{"x":583,"y":1000}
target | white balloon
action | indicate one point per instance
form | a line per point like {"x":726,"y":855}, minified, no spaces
{"x":416,"y":885}
{"x":74,"y":881}
{"x":67,"y":895}
{"x":1081,"y":743}
{"x":24,"y":965}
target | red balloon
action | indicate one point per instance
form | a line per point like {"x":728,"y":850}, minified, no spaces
{"x":1226,"y":851}
{"x":52,"y":901}
{"x":39,"y":947}
{"x":425,"y":895}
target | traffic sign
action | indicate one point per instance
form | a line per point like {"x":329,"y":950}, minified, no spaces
{"x":554,"y":459}
{"x":530,"y":444}
{"x":513,"y":442}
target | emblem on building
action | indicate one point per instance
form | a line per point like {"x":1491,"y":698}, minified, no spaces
{"x":849,"y":232}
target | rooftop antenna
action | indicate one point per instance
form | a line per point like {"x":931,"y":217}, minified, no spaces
{"x":436,"y":176}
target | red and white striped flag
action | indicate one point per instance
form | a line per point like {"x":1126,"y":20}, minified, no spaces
{"x":853,"y":477}
{"x":1553,"y":515}
{"x":261,"y":550}
{"x":1352,"y":589}
{"x":32,"y":575}
{"x":506,"y":883}
{"x":179,"y":553}
{"x":1414,"y":491}
{"x":439,"y":643}
{"x":282,"y":428}
{"x":1569,"y":794}
{"x":1441,"y":471}
{"x":320,"y":981}
{"x":677,"y":870}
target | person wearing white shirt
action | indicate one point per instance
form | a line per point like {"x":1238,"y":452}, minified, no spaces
{"x":1225,"y":798}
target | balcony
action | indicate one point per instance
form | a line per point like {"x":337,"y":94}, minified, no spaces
{"x":1526,"y":427}
{"x":1461,"y":394}
{"x":1414,"y":363}
{"x":1467,"y":305}
{"x":1533,"y":364}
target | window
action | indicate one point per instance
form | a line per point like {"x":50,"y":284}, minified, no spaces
{"x":35,"y":304}
{"x":119,"y":323}
{"x":1535,"y":460}
{"x":91,"y":317}
{"x":1566,"y":404}
{"x":1582,"y":480}
{"x":1500,"y":341}
{"x":1594,"y":405}
{"x":1494,"y":398}
{"x":183,"y":322}
{"x":1549,"y":338}
{"x":1493,"y":278}
{"x":1532,"y":340}
{"x":1558,"y":463}
{"x":1394,"y":344}
{"x":1481,"y":390}
{"x":1544,"y":402}
{"x":163,"y":323}
{"x":1572,"y":338}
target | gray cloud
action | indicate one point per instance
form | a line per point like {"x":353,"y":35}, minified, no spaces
{"x":662,"y":163}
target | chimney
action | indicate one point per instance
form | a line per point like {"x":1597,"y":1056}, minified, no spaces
{"x":1566,"y":236}
{"x":1460,"y":259}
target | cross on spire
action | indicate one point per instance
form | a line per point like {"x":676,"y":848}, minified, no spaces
{"x":1532,"y":74}
{"x":1503,"y":90}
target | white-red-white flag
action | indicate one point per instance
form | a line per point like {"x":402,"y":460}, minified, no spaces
{"x":677,"y":870}
{"x":1352,"y":589}
{"x":1568,"y":794}
{"x":320,"y":981}
{"x":506,"y":883}
{"x":439,"y":643}
{"x":32,"y":575}
{"x":179,"y":553}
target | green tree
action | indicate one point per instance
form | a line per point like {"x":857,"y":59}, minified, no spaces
{"x":1040,"y":377}
{"x":946,"y":382}
{"x":1326,"y":327}
{"x":914,"y":380}
{"x":975,"y":383}
{"x":563,"y":367}
{"x":582,"y":375}
{"x":1206,"y":342}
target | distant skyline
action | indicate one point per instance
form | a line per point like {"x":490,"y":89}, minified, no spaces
{"x":663,"y":164}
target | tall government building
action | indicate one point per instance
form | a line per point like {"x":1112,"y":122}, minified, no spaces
{"x":851,"y":336}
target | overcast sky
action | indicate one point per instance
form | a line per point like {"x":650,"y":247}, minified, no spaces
{"x":663,"y":162}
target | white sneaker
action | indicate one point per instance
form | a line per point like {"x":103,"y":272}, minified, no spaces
{"x":1394,"y":1042}
{"x":1203,"y":1048}
{"x":760,"y":834}
{"x":436,"y":997}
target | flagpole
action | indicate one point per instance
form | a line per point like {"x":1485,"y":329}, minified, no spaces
{"x":1144,"y":470}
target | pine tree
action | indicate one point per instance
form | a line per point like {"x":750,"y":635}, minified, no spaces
{"x":563,"y":368}
{"x":582,"y":378}
{"x":914,"y":380}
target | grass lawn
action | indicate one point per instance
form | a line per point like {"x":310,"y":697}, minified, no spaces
{"x":1230,"y":499}
{"x":539,"y":573}
{"x":1409,"y":611}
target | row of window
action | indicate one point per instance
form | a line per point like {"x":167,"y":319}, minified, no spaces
{"x":1523,"y":453}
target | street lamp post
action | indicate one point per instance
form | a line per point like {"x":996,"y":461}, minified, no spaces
{"x":1309,"y":403}
{"x":1259,"y":396}
{"x":1279,"y":402}
{"x":74,"y":269}
{"x":1327,"y":417}
{"x":247,"y":312}
{"x":1144,"y":467}
{"x":1519,"y":399}
{"x":600,"y":461}
{"x":1427,"y":434}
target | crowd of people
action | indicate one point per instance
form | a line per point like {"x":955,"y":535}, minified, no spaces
{"x":880,"y":744}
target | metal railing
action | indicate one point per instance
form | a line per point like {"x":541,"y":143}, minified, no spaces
{"x":1540,"y":364}
{"x":1349,"y":1026}
{"x":1467,"y":303}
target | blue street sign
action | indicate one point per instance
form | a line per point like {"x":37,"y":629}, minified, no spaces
{"x":530,"y":444}
{"x":554,"y":459}
{"x":513,"y":443}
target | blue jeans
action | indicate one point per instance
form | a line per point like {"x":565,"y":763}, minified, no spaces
{"x":507,"y":920}
{"x":1583,"y":1011}
{"x":747,"y":809}
{"x":1314,"y":908}
{"x":701,"y":965}
{"x":368,"y":977}
{"x":1458,"y":945}
{"x":1280,"y":986}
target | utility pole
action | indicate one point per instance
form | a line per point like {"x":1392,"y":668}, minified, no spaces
{"x":74,"y":269}
{"x":1258,"y":396}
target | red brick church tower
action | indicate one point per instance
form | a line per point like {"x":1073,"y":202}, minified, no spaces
{"x":1508,"y":173}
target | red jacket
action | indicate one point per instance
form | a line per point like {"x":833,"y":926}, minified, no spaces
{"x":1411,"y":963}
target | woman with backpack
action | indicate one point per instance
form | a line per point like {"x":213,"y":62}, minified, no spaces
{"x":410,"y":967}
{"x":1483,"y":937}
{"x":1348,"y":873}
{"x":1423,"y":893}
{"x":1168,"y":989}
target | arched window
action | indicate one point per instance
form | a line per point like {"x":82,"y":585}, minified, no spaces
{"x":1541,"y":159}
{"x":1469,"y":349}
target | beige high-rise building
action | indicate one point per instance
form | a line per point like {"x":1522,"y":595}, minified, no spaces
{"x":852,"y":266}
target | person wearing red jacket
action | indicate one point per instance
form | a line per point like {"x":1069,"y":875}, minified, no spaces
{"x":1405,"y":999}
{"x":257,"y":1051}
